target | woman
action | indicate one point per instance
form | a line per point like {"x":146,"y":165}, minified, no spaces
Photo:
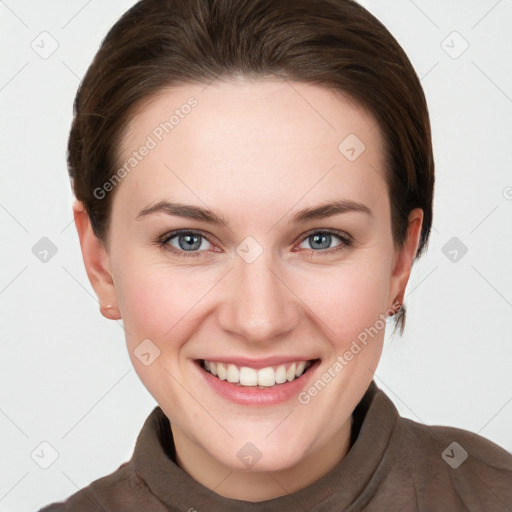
{"x":254,"y":180}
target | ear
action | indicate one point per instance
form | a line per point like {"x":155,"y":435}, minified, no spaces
{"x":404,"y":259}
{"x":97,"y":263}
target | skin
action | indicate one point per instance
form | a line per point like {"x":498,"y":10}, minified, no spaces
{"x":254,"y":152}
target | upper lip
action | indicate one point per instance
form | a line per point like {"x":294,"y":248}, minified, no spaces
{"x":258,"y":363}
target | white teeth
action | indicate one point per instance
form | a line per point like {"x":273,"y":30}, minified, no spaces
{"x":221,"y":371}
{"x":290,"y":374}
{"x":281,"y":374}
{"x":233,"y":373}
{"x":300,"y":368}
{"x":264,"y":377}
{"x":248,"y":376}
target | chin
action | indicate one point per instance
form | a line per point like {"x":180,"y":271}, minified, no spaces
{"x":259,"y":455}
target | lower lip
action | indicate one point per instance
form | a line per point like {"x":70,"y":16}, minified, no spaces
{"x":258,"y":397}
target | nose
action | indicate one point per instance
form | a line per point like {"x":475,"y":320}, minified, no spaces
{"x":259,"y":304}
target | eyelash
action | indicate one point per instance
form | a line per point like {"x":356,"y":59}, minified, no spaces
{"x":163,"y":241}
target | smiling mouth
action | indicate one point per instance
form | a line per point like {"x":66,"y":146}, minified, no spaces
{"x":263,"y":378}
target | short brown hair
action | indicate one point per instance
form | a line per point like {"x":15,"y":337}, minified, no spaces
{"x":332,"y":43}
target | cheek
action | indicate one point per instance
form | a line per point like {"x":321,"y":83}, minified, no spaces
{"x":347,"y":299}
{"x":160,"y":302}
{"x":156,"y":305}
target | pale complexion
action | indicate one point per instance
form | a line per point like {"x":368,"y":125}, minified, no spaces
{"x":255,"y":153}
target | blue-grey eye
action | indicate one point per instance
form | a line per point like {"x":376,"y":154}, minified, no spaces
{"x":188,"y":241}
{"x":321,"y":240}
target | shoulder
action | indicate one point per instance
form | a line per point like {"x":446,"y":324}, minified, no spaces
{"x":479,"y":450}
{"x":120,"y":490}
{"x":472,"y":469}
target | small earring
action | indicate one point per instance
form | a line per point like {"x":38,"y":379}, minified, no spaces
{"x":106,"y":309}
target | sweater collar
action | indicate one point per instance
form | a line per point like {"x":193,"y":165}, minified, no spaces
{"x":375,"y":419}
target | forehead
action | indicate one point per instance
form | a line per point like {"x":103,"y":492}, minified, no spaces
{"x":253,"y":139}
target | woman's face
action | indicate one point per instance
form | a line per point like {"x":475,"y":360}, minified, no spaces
{"x":275,"y":280}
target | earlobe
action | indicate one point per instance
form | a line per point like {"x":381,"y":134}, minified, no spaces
{"x":97,"y":263}
{"x":405,"y":258}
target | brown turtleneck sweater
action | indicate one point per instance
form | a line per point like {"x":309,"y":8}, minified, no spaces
{"x":394,"y":464}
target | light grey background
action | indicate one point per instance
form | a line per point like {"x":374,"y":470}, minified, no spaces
{"x":66,"y":378}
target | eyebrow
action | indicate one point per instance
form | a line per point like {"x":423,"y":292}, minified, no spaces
{"x":204,"y":215}
{"x":328,"y":210}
